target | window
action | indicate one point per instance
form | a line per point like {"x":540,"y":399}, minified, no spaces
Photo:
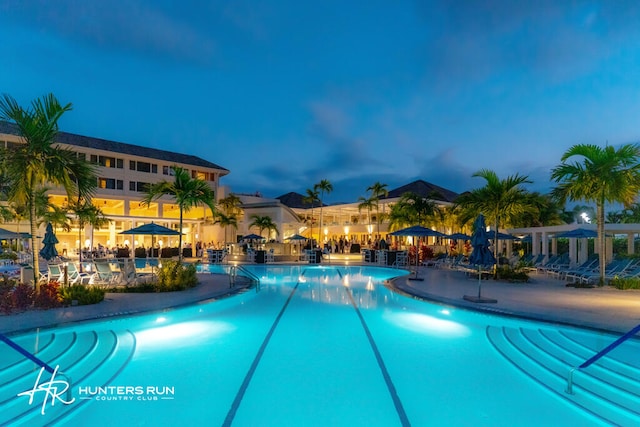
{"x":140,"y":187}
{"x":94,"y":158}
{"x":111,"y":184}
{"x":82,"y":156}
{"x":143,"y":167}
{"x":120,"y":163}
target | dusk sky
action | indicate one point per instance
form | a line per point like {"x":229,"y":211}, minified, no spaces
{"x":286,"y":93}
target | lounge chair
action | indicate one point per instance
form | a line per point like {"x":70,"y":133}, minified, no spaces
{"x":75,"y":277}
{"x":104,"y":274}
{"x":54,"y":274}
{"x":130,"y":276}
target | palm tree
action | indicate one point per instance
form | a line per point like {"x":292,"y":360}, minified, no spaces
{"x":377,"y":191}
{"x":37,"y":162}
{"x":310,"y":199}
{"x":605,"y":175}
{"x":188,"y":193}
{"x":225,"y":221}
{"x":263,"y":223}
{"x":368,"y":204}
{"x":413,"y":209}
{"x":498,"y":200}
{"x":87,"y":213}
{"x":324,"y":186}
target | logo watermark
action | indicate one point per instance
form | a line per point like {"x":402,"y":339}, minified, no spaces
{"x":52,"y":390}
{"x":58,"y":390}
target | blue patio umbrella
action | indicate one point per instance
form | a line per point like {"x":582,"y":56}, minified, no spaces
{"x":481,"y":256}
{"x":49,"y":251}
{"x":252,"y":237}
{"x":153,"y":230}
{"x":417,"y":231}
{"x":578,"y":233}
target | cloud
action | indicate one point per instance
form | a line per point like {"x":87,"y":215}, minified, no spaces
{"x":121,"y":25}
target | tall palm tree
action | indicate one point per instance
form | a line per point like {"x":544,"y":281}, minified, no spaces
{"x":188,"y":193}
{"x":225,"y":221}
{"x":231,"y":205}
{"x":39,"y":161}
{"x":368,"y":204}
{"x":498,"y":200}
{"x":310,"y":199}
{"x":86,"y":213}
{"x":378,"y":190}
{"x":263,"y":223}
{"x":604,"y":175}
{"x":324,"y":186}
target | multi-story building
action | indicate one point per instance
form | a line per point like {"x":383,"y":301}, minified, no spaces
{"x":124,"y":171}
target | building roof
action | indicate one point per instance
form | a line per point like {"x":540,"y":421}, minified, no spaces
{"x":296,"y":201}
{"x":120,"y":147}
{"x":425,"y":189}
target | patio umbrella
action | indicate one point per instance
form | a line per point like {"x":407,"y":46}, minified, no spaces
{"x":252,"y":237}
{"x":417,"y":231}
{"x":152,"y":229}
{"x":296,"y":238}
{"x":578,"y":233}
{"x":49,"y":251}
{"x":480,"y":256}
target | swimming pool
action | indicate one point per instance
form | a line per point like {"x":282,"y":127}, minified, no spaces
{"x":325,"y":346}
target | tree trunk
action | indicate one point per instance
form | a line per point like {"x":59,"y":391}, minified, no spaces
{"x":34,"y":249}
{"x":180,"y":238}
{"x":602,"y":244}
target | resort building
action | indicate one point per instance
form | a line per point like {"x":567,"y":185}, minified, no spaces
{"x":124,"y":172}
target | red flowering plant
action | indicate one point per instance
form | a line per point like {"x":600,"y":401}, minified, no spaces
{"x":49,"y":296}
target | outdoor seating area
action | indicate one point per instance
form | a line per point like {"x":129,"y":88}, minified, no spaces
{"x":384,"y":257}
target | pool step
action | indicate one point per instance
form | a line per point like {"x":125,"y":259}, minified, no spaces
{"x":86,"y":358}
{"x":547,"y":356}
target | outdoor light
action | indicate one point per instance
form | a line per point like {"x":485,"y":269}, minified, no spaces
{"x":346,"y":230}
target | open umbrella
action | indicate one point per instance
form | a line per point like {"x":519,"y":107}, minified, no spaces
{"x":578,"y":233}
{"x":481,"y":256}
{"x":296,"y":238}
{"x":252,"y":237}
{"x":152,"y":229}
{"x":49,"y":251}
{"x":417,"y":231}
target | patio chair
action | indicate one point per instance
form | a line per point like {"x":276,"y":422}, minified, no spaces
{"x":270,"y":256}
{"x":104,"y":273}
{"x":401,"y":259}
{"x":129,"y":275}
{"x":54,"y":274}
{"x":75,"y":277}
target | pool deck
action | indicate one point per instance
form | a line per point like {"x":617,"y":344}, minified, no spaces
{"x":542,"y":298}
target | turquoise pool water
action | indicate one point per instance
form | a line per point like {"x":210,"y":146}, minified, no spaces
{"x":316,"y":346}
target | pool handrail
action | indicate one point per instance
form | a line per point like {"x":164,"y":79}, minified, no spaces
{"x":598,"y":355}
{"x":233,"y":272}
{"x":36,"y":360}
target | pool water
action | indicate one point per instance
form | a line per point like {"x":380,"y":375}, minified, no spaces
{"x":316,"y":346}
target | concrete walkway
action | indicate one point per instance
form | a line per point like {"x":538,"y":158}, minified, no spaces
{"x":542,"y":298}
{"x":210,"y":286}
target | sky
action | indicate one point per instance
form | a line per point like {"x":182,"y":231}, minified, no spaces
{"x":287,"y":93}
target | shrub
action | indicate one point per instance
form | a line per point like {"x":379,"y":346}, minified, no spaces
{"x":22,"y":296}
{"x":505,"y":272}
{"x":625,"y":283}
{"x":49,"y":296}
{"x":173,"y":276}
{"x":84,"y":295}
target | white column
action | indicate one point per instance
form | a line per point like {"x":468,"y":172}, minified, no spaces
{"x":573,"y":251}
{"x":545,"y":246}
